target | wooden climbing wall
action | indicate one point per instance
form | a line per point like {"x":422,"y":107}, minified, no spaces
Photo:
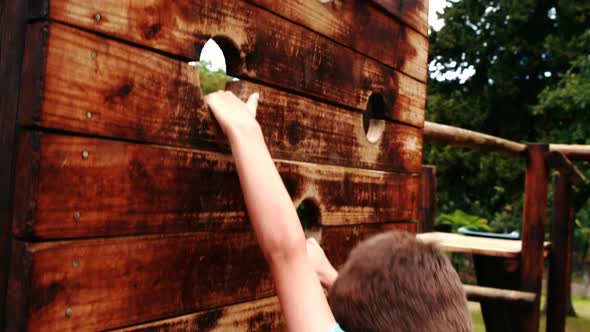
{"x":121,"y":208}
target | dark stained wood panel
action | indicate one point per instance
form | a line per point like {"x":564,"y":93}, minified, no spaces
{"x":362,"y":26}
{"x":122,"y":188}
{"x":12,"y":39}
{"x":118,"y":282}
{"x":260,"y":45}
{"x":413,"y":12}
{"x":260,"y":315}
{"x":92,"y":85}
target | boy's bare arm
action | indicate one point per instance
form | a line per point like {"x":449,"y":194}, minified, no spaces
{"x":273,"y":216}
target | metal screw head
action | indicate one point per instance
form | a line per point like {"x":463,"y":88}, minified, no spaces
{"x":75,"y":263}
{"x":76,"y":215}
{"x":97,"y":17}
{"x":85,"y":154}
{"x":69,"y":312}
{"x":89,"y":115}
{"x":93,"y":55}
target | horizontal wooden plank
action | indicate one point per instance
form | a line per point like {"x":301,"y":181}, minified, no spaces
{"x":413,"y":12}
{"x":259,"y":45}
{"x":122,"y":188}
{"x":260,"y":315}
{"x":436,"y":133}
{"x":362,"y":26}
{"x":85,"y":83}
{"x":506,"y":296}
{"x":109,"y":283}
{"x":478,"y":245}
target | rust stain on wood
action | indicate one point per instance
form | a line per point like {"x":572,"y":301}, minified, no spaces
{"x":270,"y":49}
{"x":126,"y":188}
{"x":126,"y":281}
{"x":155,"y":99}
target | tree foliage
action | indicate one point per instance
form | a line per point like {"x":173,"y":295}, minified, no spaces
{"x":530,"y":83}
{"x":211,"y":80}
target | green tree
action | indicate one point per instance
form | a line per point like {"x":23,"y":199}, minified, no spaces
{"x":531,"y":83}
{"x":517,"y":50}
{"x":211,"y":80}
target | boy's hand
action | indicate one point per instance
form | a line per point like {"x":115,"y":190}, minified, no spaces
{"x":320,"y":263}
{"x":233,"y":114}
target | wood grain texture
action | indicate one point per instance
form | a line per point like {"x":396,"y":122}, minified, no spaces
{"x":412,"y":12}
{"x":260,"y":315}
{"x":141,"y":96}
{"x":12,"y":39}
{"x":533,"y":231}
{"x":117,"y":282}
{"x":427,"y":206}
{"x":259,"y":45}
{"x":479,"y":245}
{"x":562,"y":234}
{"x":125,"y":188}
{"x":360,"y":25}
{"x":436,"y":133}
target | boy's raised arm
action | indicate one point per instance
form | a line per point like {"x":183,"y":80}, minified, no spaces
{"x":273,"y":216}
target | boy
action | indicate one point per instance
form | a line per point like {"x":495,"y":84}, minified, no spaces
{"x":390,"y":282}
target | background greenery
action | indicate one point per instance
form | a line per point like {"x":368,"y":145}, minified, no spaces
{"x":531,"y":84}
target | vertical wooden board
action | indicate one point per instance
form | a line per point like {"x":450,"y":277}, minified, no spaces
{"x":117,"y":282}
{"x":84,"y":187}
{"x":258,"y":44}
{"x":533,"y":232}
{"x":93,"y":85}
{"x":413,"y":12}
{"x":12,"y":38}
{"x":360,"y":25}
{"x":260,"y":315}
{"x":427,"y":205}
{"x":562,"y":234}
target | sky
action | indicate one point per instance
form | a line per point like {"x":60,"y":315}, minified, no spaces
{"x":211,"y":52}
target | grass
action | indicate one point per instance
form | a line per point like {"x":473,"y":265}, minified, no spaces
{"x":578,"y":324}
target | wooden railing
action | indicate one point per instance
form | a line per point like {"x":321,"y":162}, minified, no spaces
{"x":539,"y":158}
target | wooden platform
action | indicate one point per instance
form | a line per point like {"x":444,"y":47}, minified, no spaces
{"x":477,"y":245}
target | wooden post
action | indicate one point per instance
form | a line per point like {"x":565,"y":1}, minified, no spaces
{"x":427,"y":206}
{"x":559,"y":264}
{"x":12,"y":38}
{"x":533,"y":232}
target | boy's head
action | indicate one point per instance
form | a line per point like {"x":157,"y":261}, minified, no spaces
{"x":393,"y":282}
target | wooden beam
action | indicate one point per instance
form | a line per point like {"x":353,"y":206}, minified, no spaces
{"x":573,"y":152}
{"x":124,"y":92}
{"x":533,"y":232}
{"x":559,"y":283}
{"x":117,"y":282}
{"x":435,"y":133}
{"x":258,"y":44}
{"x":70,"y":187}
{"x":427,"y":207}
{"x":561,"y":163}
{"x":13,"y":19}
{"x":507,"y":296}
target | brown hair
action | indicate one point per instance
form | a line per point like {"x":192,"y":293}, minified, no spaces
{"x":393,"y":282}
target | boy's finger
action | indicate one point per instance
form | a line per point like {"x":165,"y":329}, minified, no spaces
{"x":252,"y":103}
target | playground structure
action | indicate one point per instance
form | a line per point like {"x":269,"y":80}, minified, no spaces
{"x":120,"y":208}
{"x":509,"y":273}
{"x":120,"y":205}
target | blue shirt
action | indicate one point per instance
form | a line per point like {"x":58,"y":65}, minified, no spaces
{"x":335,"y":328}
